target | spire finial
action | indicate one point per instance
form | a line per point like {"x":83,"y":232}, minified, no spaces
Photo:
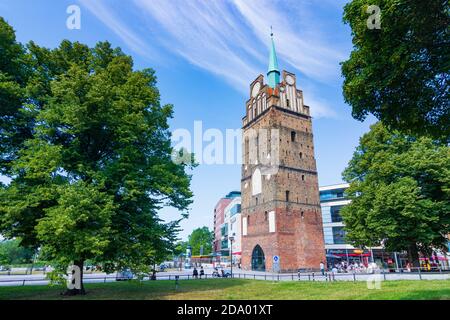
{"x":273,"y":74}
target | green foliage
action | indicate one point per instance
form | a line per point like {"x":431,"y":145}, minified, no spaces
{"x":401,"y":72}
{"x":400,"y":192}
{"x":201,"y":237}
{"x":180,"y":248}
{"x":12,"y":253}
{"x":88,"y":182}
{"x":15,"y":124}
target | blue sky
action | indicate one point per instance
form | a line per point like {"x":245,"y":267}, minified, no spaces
{"x":206,"y":53}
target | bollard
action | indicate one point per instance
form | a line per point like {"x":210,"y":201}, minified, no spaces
{"x":420,"y":275}
{"x":313,"y":276}
{"x":354,"y":277}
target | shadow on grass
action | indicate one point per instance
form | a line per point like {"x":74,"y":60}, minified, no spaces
{"x":233,"y":289}
{"x":127,"y":290}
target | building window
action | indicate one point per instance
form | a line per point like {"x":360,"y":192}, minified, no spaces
{"x":288,"y":103}
{"x":303,"y":177}
{"x":287,"y":196}
{"x":265,"y":215}
{"x":293,"y":135}
{"x":338,"y":235}
{"x":336,"y":213}
{"x":301,"y":155}
{"x":235,"y":209}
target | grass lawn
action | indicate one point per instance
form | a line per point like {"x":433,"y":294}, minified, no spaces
{"x":229,"y":289}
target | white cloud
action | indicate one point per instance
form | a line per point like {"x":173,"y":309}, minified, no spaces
{"x":230,"y":38}
{"x":122,"y":30}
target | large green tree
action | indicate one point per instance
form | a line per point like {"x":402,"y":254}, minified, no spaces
{"x":15,"y":121}
{"x":201,"y":237}
{"x":400,"y":73}
{"x":12,"y":253}
{"x":400,"y":192}
{"x":89,"y":181}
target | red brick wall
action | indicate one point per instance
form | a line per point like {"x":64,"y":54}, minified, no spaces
{"x":297,"y":241}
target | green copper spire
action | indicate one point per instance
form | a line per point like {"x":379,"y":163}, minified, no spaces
{"x":273,"y":75}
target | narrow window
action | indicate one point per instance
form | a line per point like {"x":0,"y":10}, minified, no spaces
{"x":265,"y":215}
{"x":287,"y":196}
{"x":303,"y":177}
{"x":288,"y":103}
{"x":293,"y":134}
{"x":301,"y":155}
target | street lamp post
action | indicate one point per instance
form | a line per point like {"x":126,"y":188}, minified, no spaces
{"x":231,"y":238}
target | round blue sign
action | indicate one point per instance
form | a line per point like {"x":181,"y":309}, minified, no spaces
{"x":276,"y":258}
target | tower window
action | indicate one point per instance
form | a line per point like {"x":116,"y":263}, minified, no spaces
{"x":301,"y":155}
{"x":293,"y":134}
{"x":288,"y":103}
{"x":265,"y":215}
{"x":287,"y":196}
{"x":303,"y":177}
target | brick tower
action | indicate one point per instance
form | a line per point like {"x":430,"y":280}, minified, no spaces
{"x":281,"y":218}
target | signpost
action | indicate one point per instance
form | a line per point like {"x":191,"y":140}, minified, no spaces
{"x":276,"y":264}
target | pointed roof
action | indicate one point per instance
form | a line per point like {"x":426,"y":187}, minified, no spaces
{"x":273,"y":74}
{"x":273,"y":60}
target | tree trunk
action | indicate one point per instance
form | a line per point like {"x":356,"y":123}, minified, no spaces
{"x":76,"y":291}
{"x":413,"y":255}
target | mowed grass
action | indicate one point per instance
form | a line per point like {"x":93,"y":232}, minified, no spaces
{"x":231,"y":289}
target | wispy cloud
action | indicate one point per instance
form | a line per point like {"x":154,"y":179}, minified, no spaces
{"x":121,"y":29}
{"x":230,"y":38}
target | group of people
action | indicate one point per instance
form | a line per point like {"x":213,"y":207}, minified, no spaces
{"x":195,"y":272}
{"x":349,"y":267}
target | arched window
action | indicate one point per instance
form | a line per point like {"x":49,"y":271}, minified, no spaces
{"x":256,"y":182}
{"x":258,"y":259}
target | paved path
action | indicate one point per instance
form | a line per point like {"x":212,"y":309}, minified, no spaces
{"x":39,"y":279}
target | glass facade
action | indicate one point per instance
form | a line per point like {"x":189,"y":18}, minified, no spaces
{"x":331,"y":214}
{"x":328,"y":235}
{"x":235,"y":209}
{"x":334,"y":235}
{"x":335,"y":212}
{"x":331,"y":195}
{"x":338,"y":235}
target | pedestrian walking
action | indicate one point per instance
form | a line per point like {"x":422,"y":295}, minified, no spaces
{"x":322,"y":268}
{"x":334,"y":271}
{"x":202,"y":272}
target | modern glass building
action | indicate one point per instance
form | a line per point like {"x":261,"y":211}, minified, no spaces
{"x":332,"y":200}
